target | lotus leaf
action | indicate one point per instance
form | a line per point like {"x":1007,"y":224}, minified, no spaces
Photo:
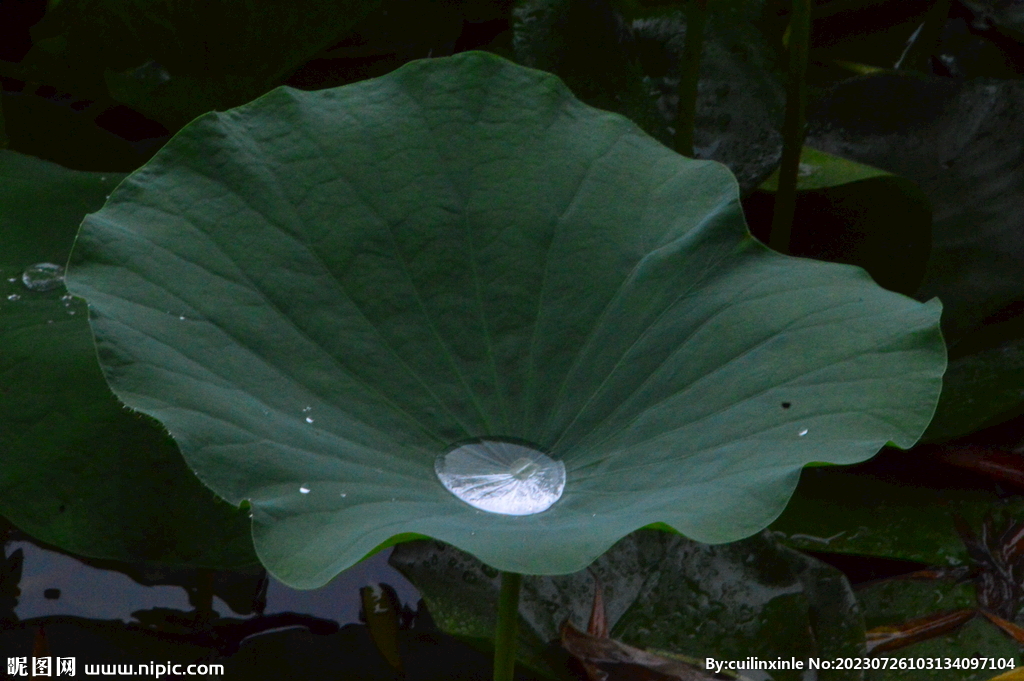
{"x":319,"y":293}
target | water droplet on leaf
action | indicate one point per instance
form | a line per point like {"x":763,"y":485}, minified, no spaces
{"x":43,"y":276}
{"x":304,"y":490}
{"x":502,"y":477}
{"x":14,"y":296}
{"x":309,"y":420}
{"x":803,"y":432}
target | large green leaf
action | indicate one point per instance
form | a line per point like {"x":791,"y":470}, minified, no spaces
{"x":320,"y":293}
{"x":76,"y":469}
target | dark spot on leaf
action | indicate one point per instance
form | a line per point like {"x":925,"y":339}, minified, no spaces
{"x":62,"y":508}
{"x":787,"y":405}
{"x":51,"y":594}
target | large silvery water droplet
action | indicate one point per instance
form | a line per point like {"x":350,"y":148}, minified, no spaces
{"x":502,"y":477}
{"x":43,"y":276}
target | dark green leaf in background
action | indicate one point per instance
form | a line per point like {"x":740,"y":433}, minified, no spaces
{"x":980,"y":388}
{"x":961,"y":143}
{"x":852,"y":213}
{"x":175,"y":60}
{"x":319,"y":293}
{"x":842,"y":512}
{"x":632,"y":67}
{"x":662,"y":592}
{"x":77,"y":470}
{"x":892,"y":602}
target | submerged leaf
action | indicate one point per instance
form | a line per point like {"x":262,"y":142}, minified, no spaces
{"x":662,"y":592}
{"x":320,"y":293}
{"x":594,"y":651}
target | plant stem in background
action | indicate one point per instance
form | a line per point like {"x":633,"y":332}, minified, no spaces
{"x":506,"y":634}
{"x":201,"y":598}
{"x":924,"y":41}
{"x":793,"y":126}
{"x":696,"y":18}
{"x":3,"y":129}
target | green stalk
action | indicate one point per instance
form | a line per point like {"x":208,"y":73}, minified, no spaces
{"x":506,"y":634}
{"x":3,"y":129}
{"x":926,"y":39}
{"x":793,"y":126}
{"x":696,"y":19}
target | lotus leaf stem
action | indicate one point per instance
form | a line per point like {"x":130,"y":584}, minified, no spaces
{"x":506,"y":633}
{"x":793,"y":126}
{"x":686,"y":115}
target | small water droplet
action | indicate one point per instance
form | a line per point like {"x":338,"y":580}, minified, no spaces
{"x":309,"y":420}
{"x":803,"y":432}
{"x":43,"y":276}
{"x":14,"y":296}
{"x":343,"y":494}
{"x":502,"y":477}
{"x":305,"y":409}
{"x":304,"y":490}
{"x":181,"y":318}
{"x":103,"y":178}
{"x":71,"y":312}
{"x":806,"y":169}
{"x":67,"y":298}
{"x":12,"y":279}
